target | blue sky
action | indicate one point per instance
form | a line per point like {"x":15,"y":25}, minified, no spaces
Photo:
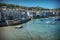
{"x":32,"y":3}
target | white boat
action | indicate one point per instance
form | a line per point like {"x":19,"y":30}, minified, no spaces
{"x":52,"y":23}
{"x":48,"y":22}
{"x":19,"y":26}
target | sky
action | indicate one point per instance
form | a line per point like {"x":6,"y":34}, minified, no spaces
{"x":51,"y":4}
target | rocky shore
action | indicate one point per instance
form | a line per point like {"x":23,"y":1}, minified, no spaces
{"x":13,"y":22}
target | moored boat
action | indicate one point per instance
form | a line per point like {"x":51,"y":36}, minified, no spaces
{"x":58,"y":19}
{"x":19,"y":26}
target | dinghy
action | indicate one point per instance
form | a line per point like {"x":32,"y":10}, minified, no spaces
{"x":58,"y":19}
{"x":52,"y":23}
{"x":48,"y":22}
{"x":19,"y":26}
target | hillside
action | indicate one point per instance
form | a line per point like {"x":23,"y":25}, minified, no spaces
{"x":22,"y":7}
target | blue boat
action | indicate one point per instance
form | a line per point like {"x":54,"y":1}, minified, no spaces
{"x":58,"y":19}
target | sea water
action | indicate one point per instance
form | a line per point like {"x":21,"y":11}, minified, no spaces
{"x":33,"y":30}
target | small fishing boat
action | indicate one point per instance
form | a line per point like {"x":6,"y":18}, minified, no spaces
{"x":49,"y":22}
{"x":19,"y":26}
{"x":46,"y":18}
{"x":41,"y":20}
{"x":58,"y":19}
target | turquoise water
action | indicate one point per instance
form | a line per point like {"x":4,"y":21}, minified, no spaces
{"x":33,"y":30}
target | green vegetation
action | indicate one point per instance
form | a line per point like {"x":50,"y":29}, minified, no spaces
{"x":57,"y":9}
{"x":26,"y":8}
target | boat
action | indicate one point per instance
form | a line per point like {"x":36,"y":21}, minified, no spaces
{"x":58,"y":19}
{"x":48,"y":22}
{"x":52,"y":23}
{"x":19,"y":27}
{"x":46,"y":18}
{"x":41,"y":20}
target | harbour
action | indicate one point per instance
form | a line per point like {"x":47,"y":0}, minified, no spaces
{"x":32,"y":30}
{"x":30,"y":20}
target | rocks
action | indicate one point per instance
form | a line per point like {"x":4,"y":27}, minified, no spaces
{"x":13,"y":22}
{"x":16,"y":22}
{"x":3,"y":24}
